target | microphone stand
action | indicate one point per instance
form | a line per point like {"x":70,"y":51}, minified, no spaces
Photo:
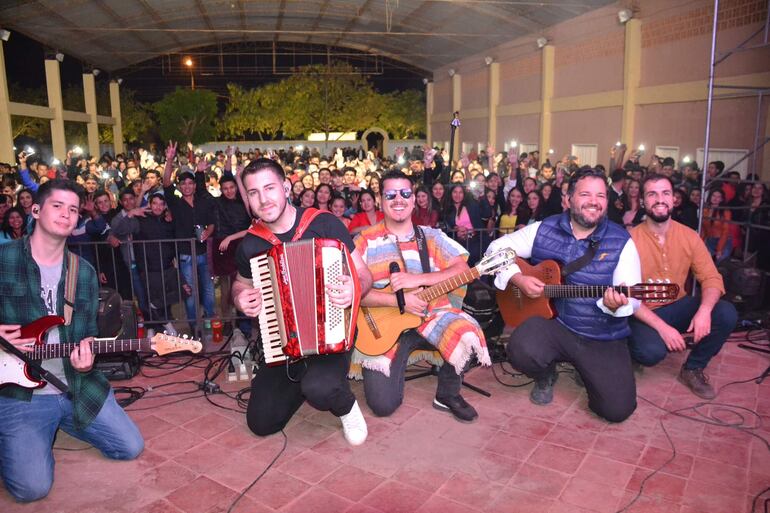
{"x":452,"y":129}
{"x":46,"y":375}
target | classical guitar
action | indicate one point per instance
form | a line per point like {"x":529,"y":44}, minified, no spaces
{"x":516,"y":307}
{"x":13,"y":371}
{"x":379,"y":327}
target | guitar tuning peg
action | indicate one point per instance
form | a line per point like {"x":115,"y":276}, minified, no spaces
{"x":184,"y":336}
{"x":668,"y":281}
{"x":649,"y":280}
{"x":165,"y":332}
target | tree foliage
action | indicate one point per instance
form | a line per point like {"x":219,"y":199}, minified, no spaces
{"x":321,"y":98}
{"x":187,"y":115}
{"x":136,"y":117}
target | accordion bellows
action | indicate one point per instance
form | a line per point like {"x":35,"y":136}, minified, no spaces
{"x":297,"y":318}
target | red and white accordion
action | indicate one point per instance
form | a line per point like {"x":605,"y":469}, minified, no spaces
{"x":297,"y":319}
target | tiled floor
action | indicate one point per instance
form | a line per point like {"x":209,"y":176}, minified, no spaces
{"x":516,"y":458}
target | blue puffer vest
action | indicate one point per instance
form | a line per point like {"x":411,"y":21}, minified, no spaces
{"x":555,"y":241}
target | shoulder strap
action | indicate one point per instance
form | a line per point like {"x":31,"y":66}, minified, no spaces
{"x":422,"y":248}
{"x":259,"y":229}
{"x":70,"y":284}
{"x":581,"y":262}
{"x":307,"y":217}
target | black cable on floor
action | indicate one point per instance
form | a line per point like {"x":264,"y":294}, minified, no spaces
{"x":245,"y":490}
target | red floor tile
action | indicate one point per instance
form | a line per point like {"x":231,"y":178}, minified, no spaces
{"x":201,"y":495}
{"x":708,"y":471}
{"x":512,"y":446}
{"x":618,"y":449}
{"x":210,"y":425}
{"x":604,"y":470}
{"x":529,"y":427}
{"x":570,"y":437}
{"x":469,"y":490}
{"x":540,"y":481}
{"x":351,"y":483}
{"x":318,"y":500}
{"x":309,"y":466}
{"x":204,"y":457}
{"x":591,"y":495}
{"x":422,"y":475}
{"x":658,"y":484}
{"x":518,"y":501}
{"x":395,"y":497}
{"x":557,"y":458}
{"x":438,"y":504}
{"x":276,"y":489}
{"x":654,"y":458}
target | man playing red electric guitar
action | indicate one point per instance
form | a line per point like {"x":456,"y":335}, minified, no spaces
{"x":33,"y":275}
{"x":588,"y":333}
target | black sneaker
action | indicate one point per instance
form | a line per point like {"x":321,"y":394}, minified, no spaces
{"x":457,"y":406}
{"x":542,"y":393}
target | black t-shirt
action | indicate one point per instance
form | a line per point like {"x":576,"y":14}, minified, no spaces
{"x":186,"y":217}
{"x":324,"y":226}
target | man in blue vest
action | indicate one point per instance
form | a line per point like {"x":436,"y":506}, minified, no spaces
{"x":589,"y":333}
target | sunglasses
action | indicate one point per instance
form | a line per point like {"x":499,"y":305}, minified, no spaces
{"x":391,"y":194}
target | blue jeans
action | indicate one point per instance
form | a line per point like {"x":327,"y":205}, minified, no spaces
{"x":648,"y":348}
{"x":711,"y":244}
{"x":205,"y":285}
{"x":27,"y":431}
{"x":139,"y":291}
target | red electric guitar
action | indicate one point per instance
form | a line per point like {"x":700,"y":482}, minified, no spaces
{"x":15,"y":372}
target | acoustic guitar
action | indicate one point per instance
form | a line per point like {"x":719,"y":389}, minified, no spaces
{"x":380,"y":326}
{"x":516,"y":307}
{"x":16,"y":372}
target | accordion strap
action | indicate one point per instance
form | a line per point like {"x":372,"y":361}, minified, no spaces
{"x":259,"y":229}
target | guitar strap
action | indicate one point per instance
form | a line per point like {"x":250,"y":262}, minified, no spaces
{"x":581,"y":262}
{"x":70,"y":284}
{"x":259,"y":229}
{"x":422,"y":249}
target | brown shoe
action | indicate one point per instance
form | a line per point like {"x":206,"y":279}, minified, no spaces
{"x":698,"y":382}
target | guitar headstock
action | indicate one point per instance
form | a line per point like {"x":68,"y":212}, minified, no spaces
{"x":496,"y":262}
{"x":658,"y":292}
{"x":163,"y":343}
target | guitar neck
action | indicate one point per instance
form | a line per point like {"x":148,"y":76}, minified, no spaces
{"x":98,"y":346}
{"x":583,"y":291}
{"x":444,"y":287}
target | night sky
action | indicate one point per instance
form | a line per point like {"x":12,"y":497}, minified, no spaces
{"x":249,"y":64}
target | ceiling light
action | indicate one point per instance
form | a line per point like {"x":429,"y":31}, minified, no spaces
{"x":119,"y":81}
{"x":451,"y":72}
{"x":624,"y":15}
{"x":686,"y":159}
{"x":96,"y":71}
{"x":541,"y":42}
{"x":59,"y":56}
{"x":425,"y":81}
{"x":5,"y":35}
{"x":488,"y":60}
{"x":188,"y":62}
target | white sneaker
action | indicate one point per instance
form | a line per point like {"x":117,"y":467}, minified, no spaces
{"x":354,"y":426}
{"x":169,"y":329}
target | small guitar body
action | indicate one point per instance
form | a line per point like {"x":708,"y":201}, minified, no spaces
{"x":516,"y":307}
{"x":380,"y":326}
{"x":14,"y":371}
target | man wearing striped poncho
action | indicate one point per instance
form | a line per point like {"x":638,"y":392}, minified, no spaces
{"x":446,"y":329}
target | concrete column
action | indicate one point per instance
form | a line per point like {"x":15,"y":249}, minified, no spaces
{"x":494,"y":100}
{"x":89,"y":94}
{"x":53,"y":84}
{"x":456,"y":106}
{"x":117,"y":128}
{"x":632,"y":72}
{"x":546,"y":99}
{"x":6,"y":130}
{"x":429,"y":113}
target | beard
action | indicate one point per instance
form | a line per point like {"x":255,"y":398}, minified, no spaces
{"x":658,"y":218}
{"x":578,"y":217}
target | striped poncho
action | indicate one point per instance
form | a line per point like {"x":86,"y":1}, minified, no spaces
{"x":455,"y":335}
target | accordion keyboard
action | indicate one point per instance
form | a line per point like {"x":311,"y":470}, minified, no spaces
{"x":269,"y":322}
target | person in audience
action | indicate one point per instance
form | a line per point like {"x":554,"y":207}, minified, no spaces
{"x":296,"y":192}
{"x":437,"y":193}
{"x":684,"y":211}
{"x":617,"y":206}
{"x":5,"y":204}
{"x":759,"y":217}
{"x":323,"y":196}
{"x":695,"y":197}
{"x":307,"y":198}
{"x":25,"y":199}
{"x":509,"y":219}
{"x":634,"y":212}
{"x":14,"y":225}
{"x":462,"y":217}
{"x":668,"y":252}
{"x":715,"y":227}
{"x":338,"y":208}
{"x":367,"y":214}
{"x":535,"y":210}
{"x":424,"y":212}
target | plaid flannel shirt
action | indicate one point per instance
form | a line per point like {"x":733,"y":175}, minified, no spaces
{"x":21,"y":303}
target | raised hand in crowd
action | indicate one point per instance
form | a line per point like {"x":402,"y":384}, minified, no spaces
{"x":171,"y":151}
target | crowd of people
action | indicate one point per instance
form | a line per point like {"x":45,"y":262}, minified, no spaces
{"x":144,"y":196}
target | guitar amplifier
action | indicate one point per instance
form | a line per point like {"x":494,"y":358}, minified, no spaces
{"x":116,"y":318}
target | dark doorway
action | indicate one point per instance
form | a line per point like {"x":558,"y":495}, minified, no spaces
{"x":374,"y":142}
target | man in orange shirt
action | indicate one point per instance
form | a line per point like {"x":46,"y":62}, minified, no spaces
{"x":668,"y":251}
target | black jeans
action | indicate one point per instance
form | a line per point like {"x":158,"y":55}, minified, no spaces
{"x":648,"y":348}
{"x":384,"y":394}
{"x":604,"y":365}
{"x":320,"y":380}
